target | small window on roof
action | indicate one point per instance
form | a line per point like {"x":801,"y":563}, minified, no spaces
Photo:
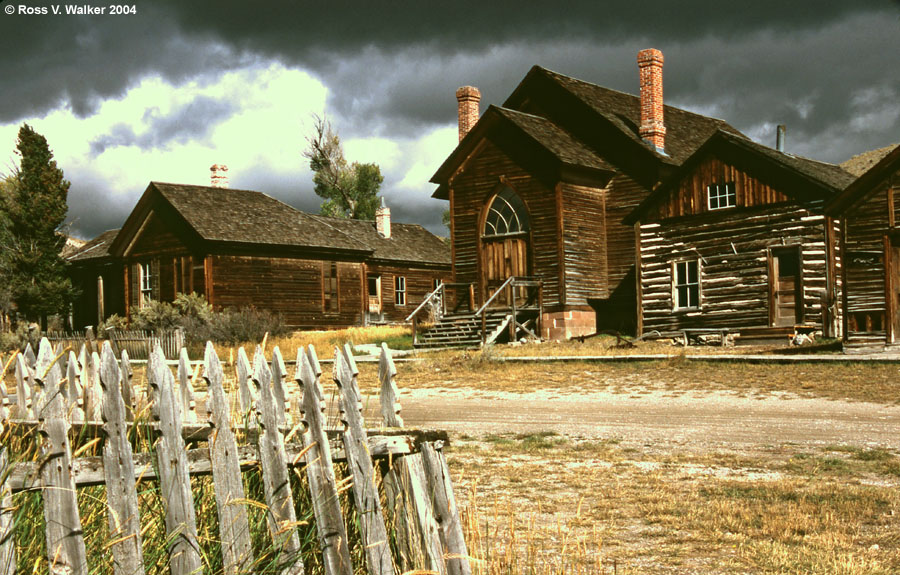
{"x":506,"y":215}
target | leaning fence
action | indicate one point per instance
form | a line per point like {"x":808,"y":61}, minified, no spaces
{"x":267,"y":420}
{"x":137,"y":342}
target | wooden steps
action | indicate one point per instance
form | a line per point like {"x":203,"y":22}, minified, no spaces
{"x":463,"y":330}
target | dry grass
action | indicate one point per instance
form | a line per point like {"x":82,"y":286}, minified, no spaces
{"x":679,"y":512}
{"x":483,"y":370}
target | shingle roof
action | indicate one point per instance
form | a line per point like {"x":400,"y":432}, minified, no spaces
{"x":887,"y":165}
{"x":94,"y":249}
{"x":554,"y":139}
{"x":862,"y":163}
{"x":408,"y":242}
{"x":249,"y":217}
{"x":685,"y":131}
{"x":830,"y":175}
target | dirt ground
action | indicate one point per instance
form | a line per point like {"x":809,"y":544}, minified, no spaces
{"x":650,"y":481}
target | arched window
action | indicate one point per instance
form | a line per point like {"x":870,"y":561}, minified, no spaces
{"x":506,"y":215}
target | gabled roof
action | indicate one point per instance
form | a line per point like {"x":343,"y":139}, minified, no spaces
{"x":408,"y":242}
{"x":245,"y":217}
{"x":798,"y":177}
{"x":581,"y":124}
{"x":95,"y":249}
{"x":554,"y":145}
{"x":888,"y":164}
{"x":685,"y":131}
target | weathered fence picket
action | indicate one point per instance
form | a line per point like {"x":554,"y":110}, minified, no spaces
{"x":186,"y":388}
{"x":174,"y":480}
{"x":282,"y":518}
{"x":97,"y":391}
{"x":234,"y":525}
{"x":7,"y":542}
{"x":365,"y":492}
{"x":118,"y":468}
{"x":320,"y":470}
{"x":65,"y":541}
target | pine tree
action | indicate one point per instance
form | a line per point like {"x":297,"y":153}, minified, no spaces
{"x":36,"y":209}
{"x":347,"y":190}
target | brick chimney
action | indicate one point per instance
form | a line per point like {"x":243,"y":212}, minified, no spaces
{"x":468,"y":98}
{"x":650,"y":66}
{"x":219,"y":176}
{"x":383,"y":220}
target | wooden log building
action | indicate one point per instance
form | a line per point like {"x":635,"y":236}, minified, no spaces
{"x":99,"y":278}
{"x":738,"y":239}
{"x":540,"y":186}
{"x":870,"y":243}
{"x":243,"y":248}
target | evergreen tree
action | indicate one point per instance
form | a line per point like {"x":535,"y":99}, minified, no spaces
{"x":36,"y":209}
{"x":347,"y":190}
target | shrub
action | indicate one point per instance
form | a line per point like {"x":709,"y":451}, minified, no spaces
{"x":231,"y":327}
{"x":115,"y":321}
{"x":193,"y":306}
{"x":156,"y":316}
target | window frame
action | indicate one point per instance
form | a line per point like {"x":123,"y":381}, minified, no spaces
{"x":729,"y":196}
{"x":331,"y":301}
{"x":145,"y":282}
{"x":515,"y":214}
{"x":400,"y":291}
{"x":695,"y":286}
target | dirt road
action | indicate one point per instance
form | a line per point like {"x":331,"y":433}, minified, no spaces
{"x":699,"y":419}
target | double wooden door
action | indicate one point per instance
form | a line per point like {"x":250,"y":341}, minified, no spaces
{"x":500,"y":259}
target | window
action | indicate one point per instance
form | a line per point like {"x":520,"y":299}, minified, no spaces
{"x":686,"y":284}
{"x":146,"y":279}
{"x":506,"y":215}
{"x":329,"y":287}
{"x":399,"y":290}
{"x":436,"y":283}
{"x":721,"y":196}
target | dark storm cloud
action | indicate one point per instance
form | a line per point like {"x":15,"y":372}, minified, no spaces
{"x":193,"y":121}
{"x":79,"y":61}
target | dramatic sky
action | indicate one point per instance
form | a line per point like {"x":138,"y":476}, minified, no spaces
{"x":164,"y":93}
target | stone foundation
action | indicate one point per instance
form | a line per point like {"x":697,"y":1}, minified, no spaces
{"x":562,"y":325}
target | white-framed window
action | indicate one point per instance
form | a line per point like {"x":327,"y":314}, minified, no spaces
{"x":686,"y":284}
{"x":721,"y":196}
{"x":146,"y":272}
{"x":399,"y":290}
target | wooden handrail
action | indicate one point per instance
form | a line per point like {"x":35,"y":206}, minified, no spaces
{"x":427,"y":299}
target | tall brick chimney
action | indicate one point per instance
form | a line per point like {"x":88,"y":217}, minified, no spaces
{"x":468,"y":98}
{"x":650,"y":66}
{"x":383,"y":220}
{"x":219,"y":176}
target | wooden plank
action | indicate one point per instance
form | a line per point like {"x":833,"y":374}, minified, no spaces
{"x":7,"y":542}
{"x":279,"y":372}
{"x":175,"y":483}
{"x":118,"y":468}
{"x":365,"y":492}
{"x":74,"y":393}
{"x":28,"y":355}
{"x":390,"y":402}
{"x":440,"y":489}
{"x":282,"y":518}
{"x":186,"y":388}
{"x":24,"y":378}
{"x":234,"y":526}
{"x":420,"y":541}
{"x":242,"y":369}
{"x":320,"y":471}
{"x":128,"y":396}
{"x":65,"y":540}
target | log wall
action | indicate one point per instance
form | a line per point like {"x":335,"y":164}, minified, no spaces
{"x":289,"y":286}
{"x":733,"y":249}
{"x":419,"y":283}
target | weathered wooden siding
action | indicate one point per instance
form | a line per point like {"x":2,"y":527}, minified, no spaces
{"x":733,"y":249}
{"x":865,"y":226}
{"x":473,"y":187}
{"x":289,"y":286}
{"x":156,"y":238}
{"x":689,"y":196}
{"x":419,"y":283}
{"x":584,"y":224}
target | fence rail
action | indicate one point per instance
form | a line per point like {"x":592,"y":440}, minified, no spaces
{"x":282,"y":429}
{"x":136,"y":342}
